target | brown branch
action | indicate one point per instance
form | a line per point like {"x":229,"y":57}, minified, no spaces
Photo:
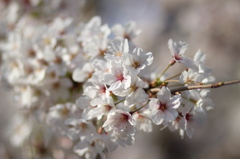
{"x":204,"y":86}
{"x":215,"y":85}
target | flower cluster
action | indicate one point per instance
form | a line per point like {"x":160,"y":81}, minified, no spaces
{"x":81,"y":83}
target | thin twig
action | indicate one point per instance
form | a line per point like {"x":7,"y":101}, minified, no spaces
{"x":119,"y":102}
{"x":173,"y":76}
{"x":203,"y":86}
{"x":216,"y":85}
{"x":171,"y":63}
{"x":172,"y":81}
{"x":139,"y":108}
{"x":176,"y":85}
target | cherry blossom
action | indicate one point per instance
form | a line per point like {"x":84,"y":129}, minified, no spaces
{"x":127,"y":31}
{"x":192,"y":119}
{"x":79,"y":126}
{"x":118,"y":77}
{"x":119,"y":121}
{"x":117,"y":48}
{"x":137,"y":61}
{"x":177,"y":51}
{"x":103,"y":107}
{"x":164,"y":106}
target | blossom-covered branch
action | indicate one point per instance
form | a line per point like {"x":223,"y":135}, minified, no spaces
{"x":89,"y":81}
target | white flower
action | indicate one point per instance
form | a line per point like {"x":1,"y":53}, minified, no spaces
{"x":101,"y":67}
{"x":73,"y":57}
{"x":201,"y":99}
{"x":82,"y":74}
{"x":190,"y":77}
{"x":19,"y":130}
{"x":60,"y":112}
{"x":117,"y":48}
{"x":59,"y":27}
{"x":177,"y":51}
{"x":29,"y":96}
{"x":91,"y":147}
{"x":137,"y":60}
{"x":205,"y":71}
{"x":142,"y":122}
{"x":199,"y":59}
{"x":93,"y":30}
{"x":122,"y":138}
{"x":54,"y":59}
{"x":164,"y":106}
{"x":118,"y":77}
{"x":103,"y":107}
{"x":96,"y":48}
{"x":127,"y":31}
{"x":135,"y":95}
{"x":47,"y":40}
{"x":83,"y":102}
{"x":79,"y":128}
{"x":110,"y":142}
{"x":12,"y":70}
{"x":96,"y":90}
{"x":12,"y":13}
{"x":192,"y":119}
{"x":119,"y":121}
{"x":59,"y":90}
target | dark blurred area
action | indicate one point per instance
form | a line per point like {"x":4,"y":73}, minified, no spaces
{"x":212,"y":26}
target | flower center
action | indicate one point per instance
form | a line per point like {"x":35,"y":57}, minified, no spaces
{"x":31,"y":53}
{"x":107,"y":108}
{"x":124,"y":117}
{"x":52,"y":74}
{"x":82,"y":125}
{"x":177,"y":57}
{"x":136,"y":64}
{"x":162,"y":106}
{"x":102,"y":90}
{"x":102,"y":52}
{"x":118,"y":54}
{"x":14,"y":64}
{"x":65,"y":111}
{"x":126,"y":36}
{"x":189,"y":81}
{"x":56,"y":85}
{"x":177,"y":119}
{"x":58,"y":60}
{"x":189,"y":117}
{"x":120,"y":77}
{"x":133,"y":88}
{"x":90,"y":74}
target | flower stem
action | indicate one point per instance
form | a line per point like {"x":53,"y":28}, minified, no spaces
{"x":119,"y":102}
{"x":139,"y":108}
{"x":173,"y":76}
{"x":190,"y":99}
{"x":164,"y":70}
{"x":171,"y":63}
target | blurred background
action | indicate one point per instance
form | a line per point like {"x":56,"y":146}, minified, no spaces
{"x":212,"y":26}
